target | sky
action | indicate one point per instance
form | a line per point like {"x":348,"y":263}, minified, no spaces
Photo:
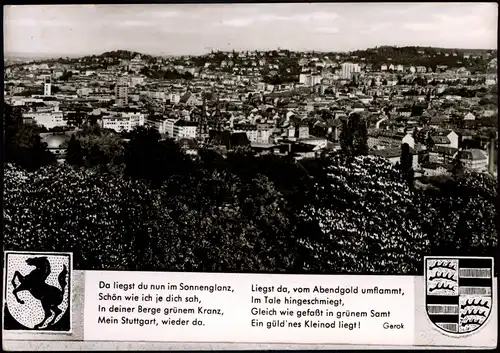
{"x":192,"y":29}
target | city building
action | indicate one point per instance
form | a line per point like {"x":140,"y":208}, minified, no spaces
{"x":169,"y":127}
{"x":249,"y":129}
{"x":185,"y":129}
{"x":347,"y":69}
{"x":121,"y":92}
{"x":123,"y":121}
{"x":310,"y":79}
{"x":47,"y":86}
{"x":49,"y":119}
{"x":474,"y":159}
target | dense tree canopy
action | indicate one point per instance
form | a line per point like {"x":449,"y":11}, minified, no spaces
{"x":342,"y":215}
{"x":354,"y":136}
{"x":23,"y":144}
{"x":460,"y":215}
{"x":367,"y":219}
{"x":94,"y":148}
{"x":215,"y":223}
{"x":61,"y":208}
{"x":149,"y":158}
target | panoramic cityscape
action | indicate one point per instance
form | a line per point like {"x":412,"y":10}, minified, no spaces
{"x":272,"y":138}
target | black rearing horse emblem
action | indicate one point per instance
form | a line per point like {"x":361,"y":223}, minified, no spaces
{"x":34,"y":282}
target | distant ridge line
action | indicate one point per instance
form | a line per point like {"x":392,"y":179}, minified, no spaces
{"x":47,"y":56}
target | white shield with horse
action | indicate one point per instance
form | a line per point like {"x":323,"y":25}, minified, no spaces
{"x":37,"y":292}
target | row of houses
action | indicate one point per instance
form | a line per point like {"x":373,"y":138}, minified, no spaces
{"x":381,"y":139}
{"x":440,"y":159}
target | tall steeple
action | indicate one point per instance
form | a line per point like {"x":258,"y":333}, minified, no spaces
{"x":217,"y":115}
{"x":203,"y":109}
{"x":202,"y":123}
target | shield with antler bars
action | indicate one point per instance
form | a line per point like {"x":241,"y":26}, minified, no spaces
{"x":459,"y":294}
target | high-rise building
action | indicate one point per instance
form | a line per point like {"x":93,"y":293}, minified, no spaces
{"x":310,"y":79}
{"x":303,"y":77}
{"x":121,"y":92}
{"x":347,"y":69}
{"x":47,"y":86}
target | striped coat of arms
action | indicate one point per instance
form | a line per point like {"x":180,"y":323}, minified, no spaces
{"x":459,"y":292}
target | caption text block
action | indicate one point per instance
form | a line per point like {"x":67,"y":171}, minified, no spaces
{"x":248,"y":308}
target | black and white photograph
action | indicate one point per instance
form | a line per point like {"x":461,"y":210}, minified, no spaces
{"x":284,"y":138}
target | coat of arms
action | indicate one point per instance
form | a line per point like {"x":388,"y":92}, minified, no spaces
{"x":459,"y":292}
{"x":37,"y":291}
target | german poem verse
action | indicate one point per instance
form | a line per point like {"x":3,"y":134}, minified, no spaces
{"x":197,"y":307}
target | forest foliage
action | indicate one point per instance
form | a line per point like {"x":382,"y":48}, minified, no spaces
{"x":142,"y":204}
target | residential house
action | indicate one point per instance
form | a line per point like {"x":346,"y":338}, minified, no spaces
{"x":169,"y":126}
{"x":404,"y":112}
{"x":116,"y":123}
{"x":250,"y":130}
{"x":48,"y":119}
{"x":185,"y":129}
{"x":442,"y":154}
{"x":125,"y":120}
{"x":173,"y":98}
{"x":437,"y":121}
{"x":454,"y":139}
{"x":365,"y":99}
{"x":469,"y":116}
{"x":189,"y":146}
{"x":474,"y":159}
{"x":435,"y":169}
{"x":408,"y":139}
{"x":159,"y":123}
{"x":441,"y":141}
{"x":189,"y":100}
{"x":302,"y":131}
{"x":382,"y":139}
{"x":263,"y":132}
{"x":358,"y":107}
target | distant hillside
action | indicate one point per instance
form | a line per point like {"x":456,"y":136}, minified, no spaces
{"x":475,"y":60}
{"x":426,"y":56}
{"x":444,"y":50}
{"x":123,"y":55}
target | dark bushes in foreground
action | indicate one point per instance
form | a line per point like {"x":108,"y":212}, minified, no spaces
{"x":335,"y":216}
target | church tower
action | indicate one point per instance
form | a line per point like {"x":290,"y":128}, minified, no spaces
{"x":202,"y":122}
{"x":217,"y":117}
{"x":47,"y":86}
